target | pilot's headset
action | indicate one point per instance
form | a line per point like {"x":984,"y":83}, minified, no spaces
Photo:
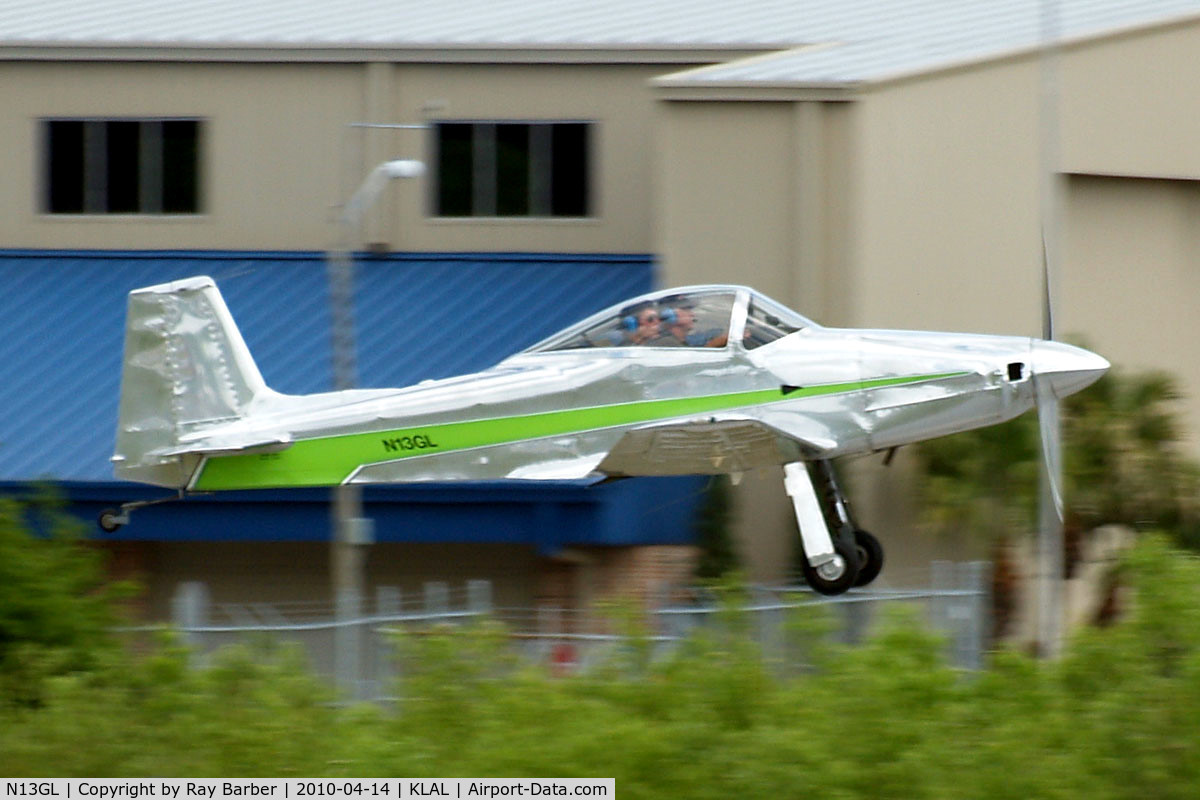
{"x":629,"y":322}
{"x":668,"y":312}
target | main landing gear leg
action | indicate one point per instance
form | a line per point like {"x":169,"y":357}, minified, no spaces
{"x":830,"y":561}
{"x":837,"y":553}
{"x":837,"y":508}
{"x":111,"y":519}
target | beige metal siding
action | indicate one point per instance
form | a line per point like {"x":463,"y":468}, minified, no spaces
{"x":279,"y":153}
{"x":1132,"y":275}
{"x":949,"y":234}
{"x":726,"y":205}
{"x":1130,"y":105}
{"x":268,"y":169}
{"x":616,"y":98}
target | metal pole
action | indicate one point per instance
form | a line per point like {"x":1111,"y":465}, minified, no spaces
{"x":347,"y":566}
{"x":346,"y":556}
{"x":352,"y":533}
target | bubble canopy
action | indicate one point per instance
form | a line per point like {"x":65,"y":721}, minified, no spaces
{"x":710,"y":316}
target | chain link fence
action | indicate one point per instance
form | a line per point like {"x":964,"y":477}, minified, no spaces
{"x":358,"y":650}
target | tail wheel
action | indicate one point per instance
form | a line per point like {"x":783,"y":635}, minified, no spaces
{"x":870,"y":557}
{"x":836,"y":576}
{"x":109,"y":520}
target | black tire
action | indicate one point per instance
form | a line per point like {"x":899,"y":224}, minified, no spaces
{"x":108,"y":520}
{"x":870,"y":557}
{"x":840,"y":584}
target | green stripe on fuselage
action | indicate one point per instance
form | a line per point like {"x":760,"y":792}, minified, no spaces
{"x":329,"y":460}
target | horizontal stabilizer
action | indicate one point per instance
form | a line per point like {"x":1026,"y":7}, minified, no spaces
{"x":228,"y":445}
{"x":559,"y":469}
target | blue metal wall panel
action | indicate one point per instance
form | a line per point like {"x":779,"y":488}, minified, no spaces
{"x":62,"y":328}
{"x":549,"y":516}
{"x":61,"y":336}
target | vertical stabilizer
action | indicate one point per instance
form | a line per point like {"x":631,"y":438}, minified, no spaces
{"x":186,"y":367}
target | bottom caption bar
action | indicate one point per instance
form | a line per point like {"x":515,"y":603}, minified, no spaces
{"x":308,"y":789}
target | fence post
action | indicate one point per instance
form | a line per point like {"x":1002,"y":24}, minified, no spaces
{"x":387,"y":610}
{"x":768,"y":623}
{"x":437,"y":597}
{"x":189,"y":611}
{"x":856,"y":617}
{"x":347,"y":641}
{"x":941,"y":576}
{"x":665,"y":619}
{"x":549,"y":625}
{"x":977,"y":579}
{"x":479,"y":597}
{"x":387,"y":602}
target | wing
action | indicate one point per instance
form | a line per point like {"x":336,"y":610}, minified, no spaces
{"x":711,"y":445}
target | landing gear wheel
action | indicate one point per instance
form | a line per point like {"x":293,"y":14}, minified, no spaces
{"x":870,"y":557}
{"x":108,"y":520}
{"x":836,"y":576}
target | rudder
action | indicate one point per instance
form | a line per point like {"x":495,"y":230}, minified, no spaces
{"x":186,"y":368}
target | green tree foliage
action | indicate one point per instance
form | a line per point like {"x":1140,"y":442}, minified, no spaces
{"x":55,"y":603}
{"x":1123,"y":463}
{"x":1114,"y":718}
{"x":1125,"y":458}
{"x":252,"y":712}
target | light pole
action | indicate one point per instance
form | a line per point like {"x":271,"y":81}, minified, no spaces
{"x":351,"y":531}
{"x":341,"y":264}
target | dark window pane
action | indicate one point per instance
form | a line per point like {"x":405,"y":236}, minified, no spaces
{"x":64,"y":165}
{"x":569,"y":181}
{"x":540,"y":145}
{"x":512,"y":170}
{"x":180,"y":165}
{"x":455,"y":166}
{"x":121,"y":150}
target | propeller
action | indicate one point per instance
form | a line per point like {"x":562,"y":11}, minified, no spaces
{"x":1049,"y":425}
{"x":1049,"y":421}
{"x":1050,"y":502}
{"x":1050,"y":495}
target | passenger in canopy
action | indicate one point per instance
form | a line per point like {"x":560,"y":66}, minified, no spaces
{"x":678,"y":315}
{"x":640,"y":324}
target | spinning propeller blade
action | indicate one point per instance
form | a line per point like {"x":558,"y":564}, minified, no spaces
{"x":1047,"y":302}
{"x":1048,"y":426}
{"x":1046,"y":399}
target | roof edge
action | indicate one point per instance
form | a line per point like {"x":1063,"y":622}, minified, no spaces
{"x":310,"y":255}
{"x":759,"y":91}
{"x":682,"y":86}
{"x":354,"y":53}
{"x":1066,"y":43}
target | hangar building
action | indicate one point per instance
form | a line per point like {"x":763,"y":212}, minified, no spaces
{"x":867,"y":164}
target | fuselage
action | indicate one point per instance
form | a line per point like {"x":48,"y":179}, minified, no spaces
{"x":699,"y":380}
{"x":556,"y":412}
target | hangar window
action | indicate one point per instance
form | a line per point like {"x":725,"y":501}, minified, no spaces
{"x":512,"y":169}
{"x":121,"y":166}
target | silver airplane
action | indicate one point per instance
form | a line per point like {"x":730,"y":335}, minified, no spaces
{"x":696,"y":380}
